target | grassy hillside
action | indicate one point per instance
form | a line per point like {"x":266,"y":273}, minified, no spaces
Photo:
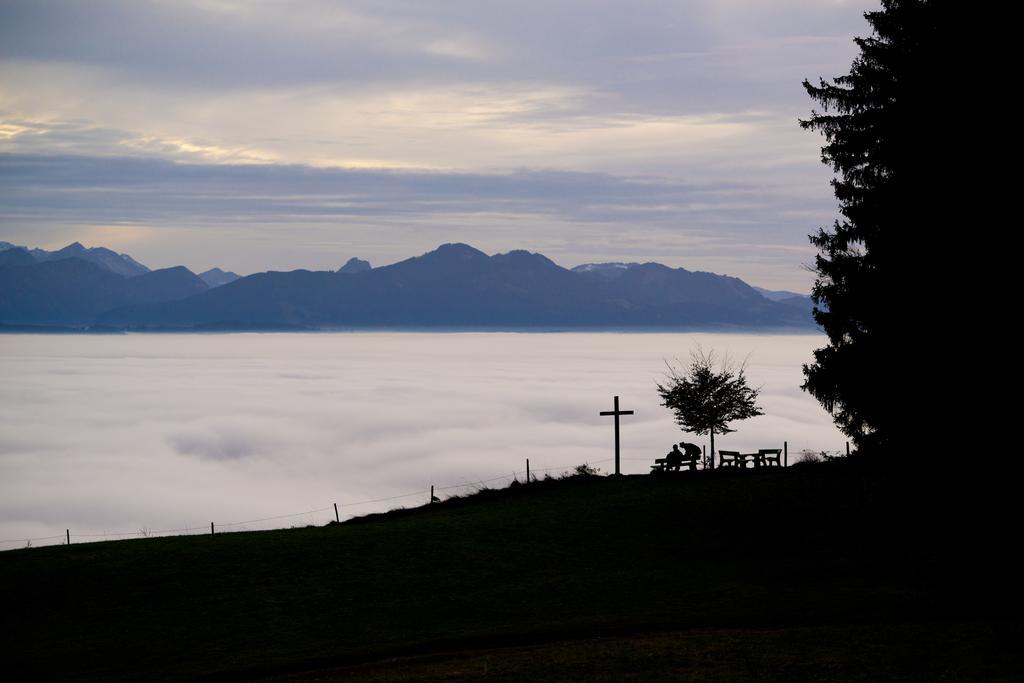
{"x":734,"y":563}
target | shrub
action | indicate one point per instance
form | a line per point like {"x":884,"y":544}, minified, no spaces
{"x":809,"y":456}
{"x":584,"y":470}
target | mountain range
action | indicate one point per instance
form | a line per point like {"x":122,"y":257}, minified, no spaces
{"x":120,"y":264}
{"x":453,"y":286}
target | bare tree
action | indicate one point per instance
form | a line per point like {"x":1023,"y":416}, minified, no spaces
{"x":708,"y":395}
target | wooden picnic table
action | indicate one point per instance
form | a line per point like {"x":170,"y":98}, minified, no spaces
{"x":763,"y":458}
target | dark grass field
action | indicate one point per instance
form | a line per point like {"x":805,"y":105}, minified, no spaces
{"x":931,"y":651}
{"x":821,"y":572}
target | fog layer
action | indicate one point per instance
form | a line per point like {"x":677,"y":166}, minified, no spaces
{"x":125,"y":434}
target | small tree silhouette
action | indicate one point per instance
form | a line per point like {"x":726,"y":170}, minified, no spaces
{"x":706,"y":398}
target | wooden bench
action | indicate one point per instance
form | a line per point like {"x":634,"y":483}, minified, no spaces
{"x":663,"y":465}
{"x":731,"y":459}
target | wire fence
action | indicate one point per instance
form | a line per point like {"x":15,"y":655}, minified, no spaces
{"x":332,"y":512}
{"x":245,"y":525}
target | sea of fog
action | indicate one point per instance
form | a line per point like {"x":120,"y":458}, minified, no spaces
{"x":143,"y":434}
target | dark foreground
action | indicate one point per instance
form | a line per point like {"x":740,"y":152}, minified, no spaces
{"x":824,"y":572}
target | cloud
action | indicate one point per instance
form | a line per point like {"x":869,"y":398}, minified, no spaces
{"x":118,"y":433}
{"x":465,"y":124}
{"x":444,"y":85}
{"x":245,"y":217}
{"x":222,"y":45}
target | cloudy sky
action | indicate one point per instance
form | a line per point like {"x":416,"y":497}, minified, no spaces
{"x":256,"y":134}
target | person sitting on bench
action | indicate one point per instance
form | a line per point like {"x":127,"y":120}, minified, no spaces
{"x":674,"y":458}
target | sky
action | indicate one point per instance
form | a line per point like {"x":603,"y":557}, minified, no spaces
{"x":255,"y":135}
{"x":114,"y":434}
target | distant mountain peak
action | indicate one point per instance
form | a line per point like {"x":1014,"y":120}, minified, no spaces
{"x":523,"y":253}
{"x":73,"y":249}
{"x":355,"y":265}
{"x":215,"y":277}
{"x":15,"y":256}
{"x":779,"y":294}
{"x":71,"y":290}
{"x":119,"y":264}
{"x":607,"y":270}
{"x":611,"y":265}
{"x":459,"y":250}
{"x":523,"y":258}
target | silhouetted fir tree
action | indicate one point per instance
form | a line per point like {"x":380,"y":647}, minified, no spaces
{"x":915,"y":284}
{"x":883,"y":269}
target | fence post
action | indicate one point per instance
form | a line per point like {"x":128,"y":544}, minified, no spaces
{"x":704,"y":448}
{"x":68,"y":532}
{"x":431,"y":494}
{"x":336,"y":517}
{"x":527,"y":470}
{"x":785,"y":454}
{"x":211,"y":528}
{"x":847,"y":449}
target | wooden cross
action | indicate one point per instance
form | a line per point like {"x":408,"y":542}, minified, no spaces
{"x":616,"y":413}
